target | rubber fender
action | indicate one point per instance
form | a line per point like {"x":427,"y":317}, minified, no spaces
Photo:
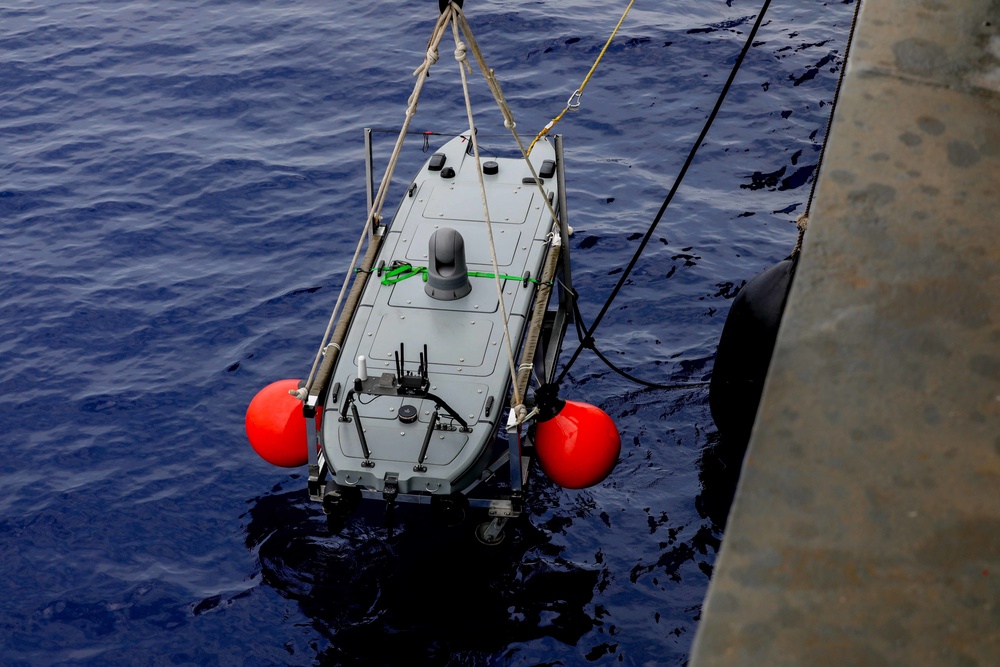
{"x":745,"y":350}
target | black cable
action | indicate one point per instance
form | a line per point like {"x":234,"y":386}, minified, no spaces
{"x":590,"y":344}
{"x":670,"y":195}
{"x":833,"y":105}
{"x":653,"y":385}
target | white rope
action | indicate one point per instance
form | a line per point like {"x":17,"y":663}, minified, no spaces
{"x":520,"y":412}
{"x":494,"y":86}
{"x":460,"y":51}
{"x":451,"y":15}
{"x":508,"y":115}
{"x":429,"y":59}
{"x":375,"y":214}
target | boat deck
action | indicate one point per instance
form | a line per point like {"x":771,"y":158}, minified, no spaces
{"x":466,"y":362}
{"x":866,"y":526}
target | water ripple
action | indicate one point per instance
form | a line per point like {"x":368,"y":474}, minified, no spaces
{"x":180,"y":191}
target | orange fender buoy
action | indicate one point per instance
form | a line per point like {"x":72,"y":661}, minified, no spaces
{"x":276,"y":427}
{"x":577,"y":443}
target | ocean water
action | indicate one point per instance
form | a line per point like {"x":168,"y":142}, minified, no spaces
{"x":181,"y":187}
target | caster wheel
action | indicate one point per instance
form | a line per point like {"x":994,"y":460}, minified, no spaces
{"x":491,"y":533}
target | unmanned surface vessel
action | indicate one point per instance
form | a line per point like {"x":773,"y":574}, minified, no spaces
{"x":415,"y":389}
{"x":459,"y":303}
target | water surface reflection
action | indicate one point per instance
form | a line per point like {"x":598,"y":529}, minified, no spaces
{"x":419,"y":588}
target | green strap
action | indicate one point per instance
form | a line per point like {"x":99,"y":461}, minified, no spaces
{"x":393,"y":276}
{"x":482,"y":274}
{"x":400,"y":273}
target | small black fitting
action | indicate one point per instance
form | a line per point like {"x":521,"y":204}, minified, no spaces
{"x":548,"y":402}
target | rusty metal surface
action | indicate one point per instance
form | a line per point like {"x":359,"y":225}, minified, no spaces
{"x":866,"y":528}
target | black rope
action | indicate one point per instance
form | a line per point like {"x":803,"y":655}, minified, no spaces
{"x":590,"y":344}
{"x":670,"y":195}
{"x":833,"y":105}
{"x":646,"y":383}
{"x":803,"y":219}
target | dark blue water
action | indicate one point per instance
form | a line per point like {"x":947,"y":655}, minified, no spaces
{"x":181,"y":186}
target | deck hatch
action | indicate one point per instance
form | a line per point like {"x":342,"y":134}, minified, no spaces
{"x":461,"y":342}
{"x":509,"y":204}
{"x":477,"y":247}
{"x":410,"y":294}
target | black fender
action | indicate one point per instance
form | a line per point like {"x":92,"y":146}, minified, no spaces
{"x":745,"y":350}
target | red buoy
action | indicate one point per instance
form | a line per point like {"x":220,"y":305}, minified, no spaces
{"x":577,"y":443}
{"x":276,"y":427}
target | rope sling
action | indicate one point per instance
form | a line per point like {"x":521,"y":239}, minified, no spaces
{"x":453,"y":16}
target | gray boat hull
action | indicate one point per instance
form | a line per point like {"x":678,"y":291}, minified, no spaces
{"x":422,"y":421}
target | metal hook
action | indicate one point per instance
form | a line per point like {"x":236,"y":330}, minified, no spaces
{"x":573,"y":103}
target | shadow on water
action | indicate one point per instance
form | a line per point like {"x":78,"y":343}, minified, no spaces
{"x":431,"y":592}
{"x":419,"y":589}
{"x":719,"y":469}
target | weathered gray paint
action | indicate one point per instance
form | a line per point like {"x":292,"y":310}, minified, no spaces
{"x":866,"y":527}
